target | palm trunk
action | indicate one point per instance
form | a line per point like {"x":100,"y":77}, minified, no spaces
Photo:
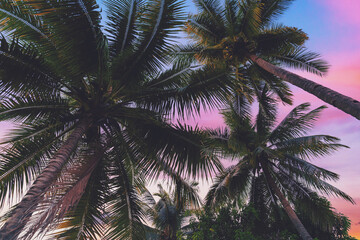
{"x":286,"y":205}
{"x":23,"y":211}
{"x":338,"y":100}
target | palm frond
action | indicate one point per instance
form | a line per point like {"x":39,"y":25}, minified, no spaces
{"x":159,"y":22}
{"x":191,"y":91}
{"x":187,"y":54}
{"x":272,"y":9}
{"x":303,"y":59}
{"x":241,"y":131}
{"x":23,"y":68}
{"x":199,"y":27}
{"x":186,"y":195}
{"x":121,"y":26}
{"x":221,"y":144}
{"x":327,"y":188}
{"x":230,"y":16}
{"x":65,"y":194}
{"x":233,"y":182}
{"x":186,"y":149}
{"x":19,"y":20}
{"x":249,"y":18}
{"x":167,"y":219}
{"x":241,"y":106}
{"x":260,"y":198}
{"x":125,"y":209}
{"x":318,"y":210}
{"x":34,"y":107}
{"x":212,"y":9}
{"x":275,"y":84}
{"x":23,"y":160}
{"x":74,"y":27}
{"x":298,"y":166}
{"x":310,"y":146}
{"x":273,"y":40}
{"x":88,"y":218}
{"x":296,"y":123}
{"x":315,"y":182}
{"x":266,"y":116}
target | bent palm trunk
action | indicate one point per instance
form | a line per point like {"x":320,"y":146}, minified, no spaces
{"x":286,"y":205}
{"x":338,"y":100}
{"x":23,"y":211}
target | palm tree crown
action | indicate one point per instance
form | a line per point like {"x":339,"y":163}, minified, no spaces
{"x":169,"y":212}
{"x":244,"y":32}
{"x":93,"y":103}
{"x":273,"y":160}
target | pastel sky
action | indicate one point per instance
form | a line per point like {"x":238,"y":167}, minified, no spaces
{"x":334,"y":30}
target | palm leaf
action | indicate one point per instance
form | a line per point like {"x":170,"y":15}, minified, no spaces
{"x":296,"y":123}
{"x":158,"y":23}
{"x":272,"y":9}
{"x":299,"y":166}
{"x":279,"y":38}
{"x":87,"y":219}
{"x":191,"y":91}
{"x":23,"y":68}
{"x":21,"y":21}
{"x":233,"y":182}
{"x":74,"y":25}
{"x":33,"y":107}
{"x":125,"y":208}
{"x":301,"y":58}
{"x":121,"y":25}
{"x":67,"y":191}
{"x":310,"y":146}
{"x":23,"y":160}
{"x":266,"y":116}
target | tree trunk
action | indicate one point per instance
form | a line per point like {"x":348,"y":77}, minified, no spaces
{"x":286,"y":205}
{"x":23,"y":210}
{"x":338,"y":100}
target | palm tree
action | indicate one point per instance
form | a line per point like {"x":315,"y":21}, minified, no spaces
{"x":244,"y":32}
{"x":169,"y":212}
{"x":276,"y":157}
{"x":315,"y":212}
{"x":92,"y":104}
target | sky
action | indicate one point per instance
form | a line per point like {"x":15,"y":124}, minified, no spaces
{"x":333,"y":27}
{"x":334,"y":30}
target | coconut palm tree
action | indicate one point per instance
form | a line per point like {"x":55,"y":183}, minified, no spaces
{"x":244,"y":32}
{"x":169,"y":212}
{"x":276,"y":157}
{"x":92,"y":104}
{"x":316,"y":213}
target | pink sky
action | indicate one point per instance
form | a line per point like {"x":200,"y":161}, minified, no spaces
{"x":334,"y":31}
{"x":344,"y":76}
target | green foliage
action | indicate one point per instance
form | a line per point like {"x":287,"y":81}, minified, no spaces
{"x":230,"y":33}
{"x":218,"y":227}
{"x":59,"y":68}
{"x":171,"y":210}
{"x":232,"y":223}
{"x":284,"y":149}
{"x":273,"y":162}
{"x":227,"y":224}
